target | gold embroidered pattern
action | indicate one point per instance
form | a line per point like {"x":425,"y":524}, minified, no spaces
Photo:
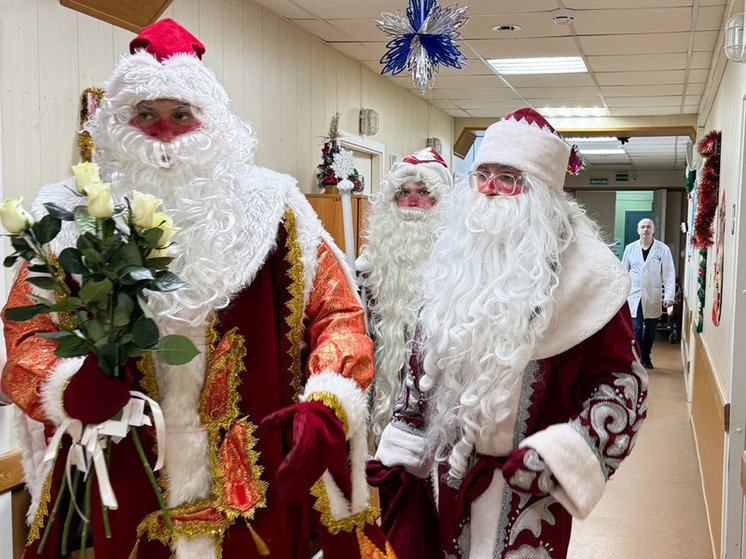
{"x":218,"y":405}
{"x":296,"y":305}
{"x":44,"y":497}
{"x":331,"y":401}
{"x":371,"y":550}
{"x":64,"y":318}
{"x":350,"y":523}
{"x":243,"y":489}
{"x":148,"y":382}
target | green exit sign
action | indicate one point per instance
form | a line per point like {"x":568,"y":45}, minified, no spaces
{"x":599,"y":181}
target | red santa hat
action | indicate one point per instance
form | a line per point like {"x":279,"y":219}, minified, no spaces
{"x":425,"y":165}
{"x":165,"y":64}
{"x":526,"y":141}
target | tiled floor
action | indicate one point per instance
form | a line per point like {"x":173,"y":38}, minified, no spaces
{"x":653,"y":507}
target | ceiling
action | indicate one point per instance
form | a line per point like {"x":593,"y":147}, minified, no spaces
{"x":645,"y":58}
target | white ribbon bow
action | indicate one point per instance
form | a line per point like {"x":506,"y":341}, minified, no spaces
{"x":89,"y":442}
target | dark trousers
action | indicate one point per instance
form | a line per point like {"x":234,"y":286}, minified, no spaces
{"x":644,"y":333}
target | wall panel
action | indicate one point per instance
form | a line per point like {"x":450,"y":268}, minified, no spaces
{"x":284,"y":82}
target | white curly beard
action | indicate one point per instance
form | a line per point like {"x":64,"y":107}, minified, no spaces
{"x":488,"y":300}
{"x":200,"y":176}
{"x":399,"y":244}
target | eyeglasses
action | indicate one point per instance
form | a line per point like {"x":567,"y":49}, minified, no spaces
{"x":506,"y":184}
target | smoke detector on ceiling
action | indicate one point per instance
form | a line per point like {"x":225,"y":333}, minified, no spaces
{"x":563,"y":17}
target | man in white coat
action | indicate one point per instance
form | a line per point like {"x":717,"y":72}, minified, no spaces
{"x":650,"y":265}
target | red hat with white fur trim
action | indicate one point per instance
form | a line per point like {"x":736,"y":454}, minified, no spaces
{"x":526,"y":141}
{"x":165,"y":64}
{"x":425,"y":165}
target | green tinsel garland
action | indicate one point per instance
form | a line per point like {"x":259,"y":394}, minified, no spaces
{"x":701,"y":280}
{"x":691,"y":178}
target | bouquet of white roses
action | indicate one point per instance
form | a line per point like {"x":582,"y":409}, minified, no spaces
{"x":119,"y":255}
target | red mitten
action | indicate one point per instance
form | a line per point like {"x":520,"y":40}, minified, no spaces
{"x":318,"y":443}
{"x":526,"y":472}
{"x":92,"y":396}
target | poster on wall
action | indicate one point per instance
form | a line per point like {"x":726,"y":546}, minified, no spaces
{"x":717,"y":288}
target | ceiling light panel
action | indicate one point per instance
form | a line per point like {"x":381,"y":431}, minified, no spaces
{"x":543,"y":65}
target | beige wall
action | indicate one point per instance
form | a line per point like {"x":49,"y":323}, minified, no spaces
{"x":286,"y":83}
{"x":600,"y":206}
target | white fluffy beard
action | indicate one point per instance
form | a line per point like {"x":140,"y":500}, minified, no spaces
{"x":200,"y":178}
{"x":488,"y":300}
{"x":399,"y":244}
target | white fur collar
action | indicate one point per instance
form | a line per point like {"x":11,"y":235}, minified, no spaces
{"x":593,"y":287}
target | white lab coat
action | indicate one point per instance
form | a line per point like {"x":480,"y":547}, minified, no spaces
{"x":647,"y":277}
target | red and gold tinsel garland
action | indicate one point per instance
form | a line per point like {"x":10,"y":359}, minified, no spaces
{"x":707,"y":192}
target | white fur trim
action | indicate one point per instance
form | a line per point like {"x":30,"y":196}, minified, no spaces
{"x":483,"y":535}
{"x":54,"y":385}
{"x":588,"y":268}
{"x":34,"y":445}
{"x":401,"y":448}
{"x":581,"y":481}
{"x":352,"y":399}
{"x":198,"y":547}
{"x":528,"y":148}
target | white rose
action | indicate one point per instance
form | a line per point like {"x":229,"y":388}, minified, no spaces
{"x":166,"y":224}
{"x":100,"y":203}
{"x":14,"y":218}
{"x":85,"y":174}
{"x":143,"y":207}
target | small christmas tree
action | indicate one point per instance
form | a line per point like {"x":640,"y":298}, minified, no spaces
{"x":325,"y":173}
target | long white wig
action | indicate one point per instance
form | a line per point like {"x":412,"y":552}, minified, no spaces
{"x":488,"y":300}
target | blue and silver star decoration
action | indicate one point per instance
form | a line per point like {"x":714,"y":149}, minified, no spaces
{"x":422,"y":38}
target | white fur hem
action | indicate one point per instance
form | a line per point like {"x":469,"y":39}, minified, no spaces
{"x":352,"y":399}
{"x":581,"y":481}
{"x":51,"y":391}
{"x":400,"y":448}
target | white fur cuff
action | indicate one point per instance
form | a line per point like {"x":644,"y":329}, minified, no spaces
{"x":581,"y":481}
{"x":352,"y":400}
{"x":54,"y":386}
{"x":351,"y":397}
{"x":400,"y":448}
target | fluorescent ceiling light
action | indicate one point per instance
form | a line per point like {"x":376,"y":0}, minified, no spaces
{"x":544,"y":65}
{"x":572,"y":111}
{"x":602,"y":151}
{"x":588,"y":139}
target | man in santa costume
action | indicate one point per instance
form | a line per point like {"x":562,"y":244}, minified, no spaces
{"x":266,"y":428}
{"x":528,"y":360}
{"x":399,"y":235}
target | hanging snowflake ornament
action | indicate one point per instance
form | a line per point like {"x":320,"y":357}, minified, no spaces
{"x":344,"y":166}
{"x":422,"y":38}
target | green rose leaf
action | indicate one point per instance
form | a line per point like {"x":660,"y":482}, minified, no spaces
{"x":67,"y":304}
{"x":57,"y":335}
{"x":176,"y":350}
{"x":128,"y":254}
{"x":71,"y":260}
{"x":41,"y":300}
{"x":46,"y":229}
{"x":145,"y":333}
{"x":133,"y":274}
{"x":19,"y":314}
{"x":72,"y":346}
{"x":92,"y":256}
{"x":95,"y":291}
{"x":43,"y":282}
{"x":160,"y":263}
{"x":122,"y":311}
{"x":166,"y":281}
{"x":10,"y":261}
{"x":39,"y":268}
{"x":152,"y":237}
{"x":58,"y":212}
{"x":84,"y":221}
{"x":108,"y":358}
